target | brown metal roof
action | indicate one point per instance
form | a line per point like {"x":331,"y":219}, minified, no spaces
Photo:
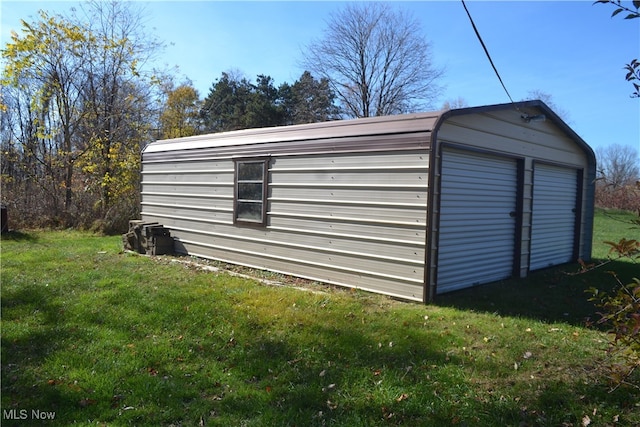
{"x":325,"y":131}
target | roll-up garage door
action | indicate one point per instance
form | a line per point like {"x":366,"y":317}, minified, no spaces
{"x":477,"y":219}
{"x":555,"y":191}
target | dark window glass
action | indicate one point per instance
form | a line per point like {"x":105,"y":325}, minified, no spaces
{"x":250,"y":171}
{"x":249,"y":211}
{"x":250,"y":191}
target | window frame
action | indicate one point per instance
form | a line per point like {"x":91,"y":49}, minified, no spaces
{"x":237,"y":181}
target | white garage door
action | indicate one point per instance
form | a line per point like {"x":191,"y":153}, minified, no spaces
{"x":477,"y":219}
{"x":554,"y":215}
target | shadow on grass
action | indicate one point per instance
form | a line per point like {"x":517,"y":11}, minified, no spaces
{"x":305,"y":370}
{"x":18,"y":236}
{"x":23,"y":391}
{"x":302,"y":375}
{"x":551,"y":295}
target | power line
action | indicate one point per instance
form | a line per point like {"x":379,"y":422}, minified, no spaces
{"x":486,"y":51}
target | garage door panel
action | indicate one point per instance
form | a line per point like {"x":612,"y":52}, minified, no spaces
{"x":477,"y":229}
{"x":555,"y":190}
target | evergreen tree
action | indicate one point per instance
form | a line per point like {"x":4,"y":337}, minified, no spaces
{"x":308,"y":100}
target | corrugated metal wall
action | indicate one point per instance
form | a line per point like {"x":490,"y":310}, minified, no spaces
{"x":503,"y":132}
{"x":555,"y":190}
{"x":355,"y":219}
{"x":477,"y":219}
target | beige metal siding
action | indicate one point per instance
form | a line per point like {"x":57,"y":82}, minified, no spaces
{"x":350,"y":218}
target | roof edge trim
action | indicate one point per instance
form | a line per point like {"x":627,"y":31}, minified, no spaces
{"x":369,"y":126}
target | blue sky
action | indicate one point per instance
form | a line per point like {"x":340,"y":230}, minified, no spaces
{"x":571,"y":50}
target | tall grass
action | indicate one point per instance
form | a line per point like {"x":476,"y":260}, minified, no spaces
{"x":101,"y":337}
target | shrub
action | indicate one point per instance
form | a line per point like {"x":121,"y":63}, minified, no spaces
{"x":620,"y":314}
{"x":625,"y":197}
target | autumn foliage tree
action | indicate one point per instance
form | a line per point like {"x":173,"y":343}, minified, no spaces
{"x":42,"y":98}
{"x":117,"y":100}
{"x":181,"y":114}
{"x":78,"y":111}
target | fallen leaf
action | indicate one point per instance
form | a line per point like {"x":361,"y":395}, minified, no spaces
{"x":586,"y":421}
{"x":87,"y":402}
{"x":386,"y":413}
{"x":527,"y":355}
{"x":115,"y":400}
{"x":403,"y":396}
{"x":323,"y":373}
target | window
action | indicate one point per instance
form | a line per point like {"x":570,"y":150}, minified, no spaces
{"x":250,"y":191}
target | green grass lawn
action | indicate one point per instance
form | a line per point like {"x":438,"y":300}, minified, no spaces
{"x":96,"y":336}
{"x":612,"y":225}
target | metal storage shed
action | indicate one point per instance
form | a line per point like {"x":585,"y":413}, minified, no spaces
{"x":409,"y":205}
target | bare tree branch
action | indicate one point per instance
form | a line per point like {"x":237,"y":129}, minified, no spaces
{"x":376,"y":61}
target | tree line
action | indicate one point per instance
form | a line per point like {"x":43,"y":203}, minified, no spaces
{"x":80,"y":100}
{"x":234,"y":102}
